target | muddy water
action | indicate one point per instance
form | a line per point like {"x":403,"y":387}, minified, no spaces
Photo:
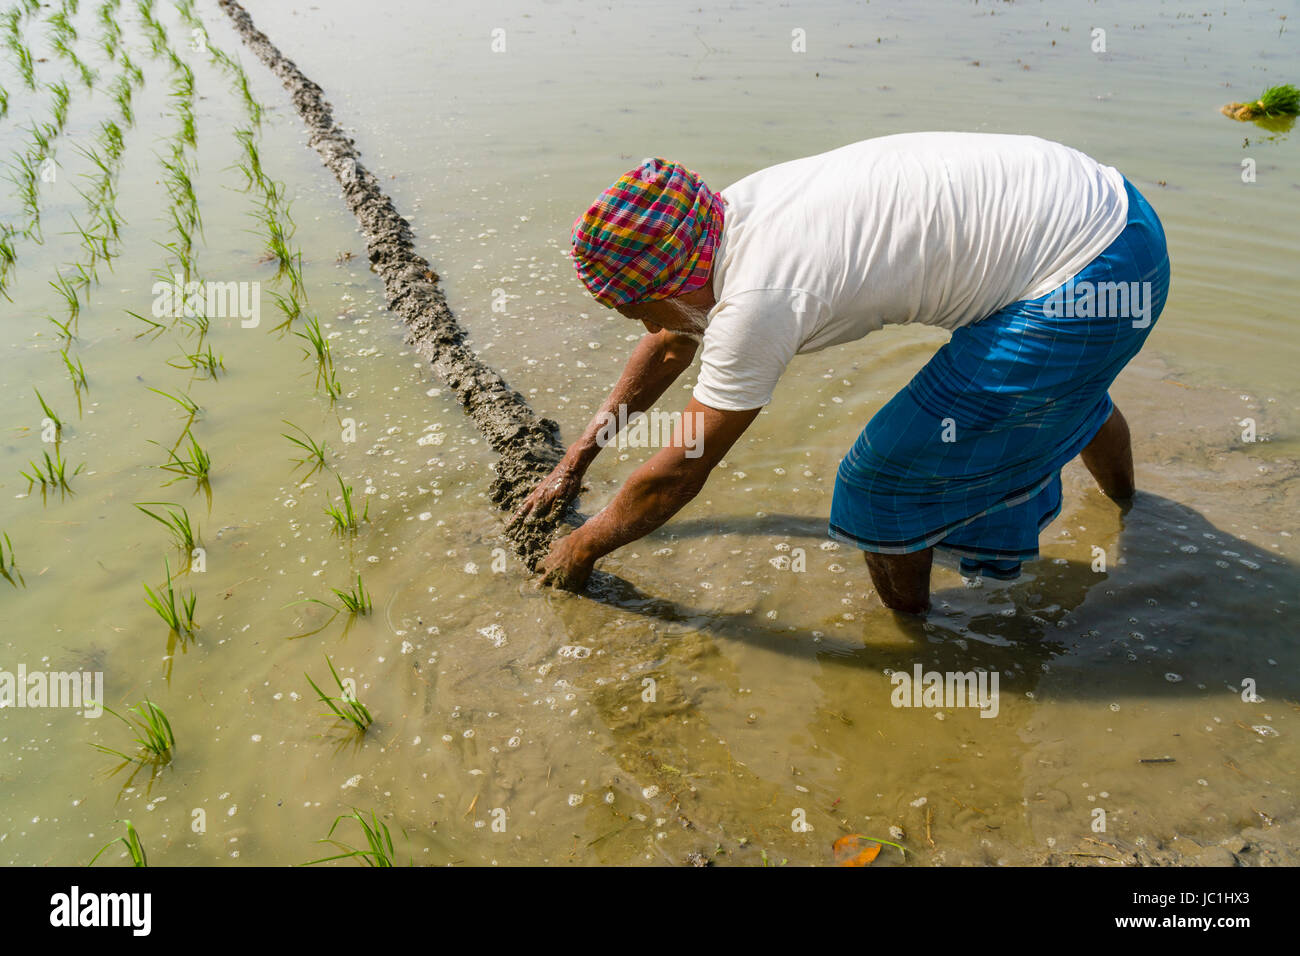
{"x":705,"y":697}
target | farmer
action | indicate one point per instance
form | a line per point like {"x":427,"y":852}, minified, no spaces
{"x":1048,"y":268}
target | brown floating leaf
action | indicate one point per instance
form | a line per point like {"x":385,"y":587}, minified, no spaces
{"x":855,"y":850}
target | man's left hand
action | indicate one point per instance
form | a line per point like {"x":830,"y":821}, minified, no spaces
{"x":567,"y":566}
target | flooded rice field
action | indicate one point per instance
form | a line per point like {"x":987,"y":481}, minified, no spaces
{"x":727,"y":691}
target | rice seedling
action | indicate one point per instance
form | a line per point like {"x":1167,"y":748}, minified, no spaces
{"x":88,"y":76}
{"x":184,"y":401}
{"x":4,"y":102}
{"x":252,"y":167}
{"x":196,"y":465}
{"x":22,"y":174}
{"x":134,"y":848}
{"x":76,"y":372}
{"x":41,"y":135}
{"x":346,"y":706}
{"x":178,"y":524}
{"x":8,"y":259}
{"x":320,"y":346}
{"x":343,"y":515}
{"x":8,"y":564}
{"x":180,"y":620}
{"x":50,"y":473}
{"x":1274,"y":102}
{"x":289,"y":307}
{"x":153,"y":327}
{"x":314,"y":453}
{"x":207,"y":362}
{"x":120,"y":91}
{"x":51,"y":415}
{"x":111,"y":37}
{"x":110,"y":138}
{"x":60,"y":97}
{"x":153,"y":732}
{"x":132,"y":70}
{"x":65,"y":328}
{"x":378,"y":839}
{"x":63,"y":28}
{"x":355,"y":600}
{"x":26,"y":67}
{"x":251,"y":105}
{"x":68,"y":292}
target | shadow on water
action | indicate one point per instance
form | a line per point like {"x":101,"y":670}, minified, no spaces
{"x":1180,"y":595}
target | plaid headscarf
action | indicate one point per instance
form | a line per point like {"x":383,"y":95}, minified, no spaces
{"x":651,"y":235}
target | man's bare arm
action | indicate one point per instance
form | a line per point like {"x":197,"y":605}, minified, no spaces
{"x":651,"y":495}
{"x":656,"y":362}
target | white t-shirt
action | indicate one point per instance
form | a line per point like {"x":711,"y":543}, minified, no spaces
{"x":942,"y":229}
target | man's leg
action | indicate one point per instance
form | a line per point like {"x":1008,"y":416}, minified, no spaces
{"x":1109,"y":456}
{"x":902,"y":580}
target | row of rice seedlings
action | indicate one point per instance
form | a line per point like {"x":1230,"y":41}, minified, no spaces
{"x":110,"y":38}
{"x":50,"y":473}
{"x":182,"y":93}
{"x":84,"y":70}
{"x":346,"y":706}
{"x":380,"y":852}
{"x":154,"y":737}
{"x":122,"y":90}
{"x":62,"y":27}
{"x":184,"y":532}
{"x":185,"y":9}
{"x":156,"y":31}
{"x":24,"y":175}
{"x":134,"y":848}
{"x":179,"y":618}
{"x":343,"y":515}
{"x":23,"y":59}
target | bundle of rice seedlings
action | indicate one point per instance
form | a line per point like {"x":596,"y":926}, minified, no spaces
{"x":1283,"y":100}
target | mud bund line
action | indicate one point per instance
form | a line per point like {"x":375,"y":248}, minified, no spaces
{"x":529,"y":446}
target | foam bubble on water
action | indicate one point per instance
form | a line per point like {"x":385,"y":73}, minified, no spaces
{"x":494,"y":633}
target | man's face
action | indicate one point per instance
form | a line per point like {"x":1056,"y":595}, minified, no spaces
{"x":675,"y":315}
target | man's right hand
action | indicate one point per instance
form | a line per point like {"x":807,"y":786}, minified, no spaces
{"x":551,"y":496}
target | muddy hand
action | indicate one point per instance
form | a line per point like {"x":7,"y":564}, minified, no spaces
{"x":566,"y":566}
{"x":552,"y":494}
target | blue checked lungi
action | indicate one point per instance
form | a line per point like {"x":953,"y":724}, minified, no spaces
{"x":968,"y":456}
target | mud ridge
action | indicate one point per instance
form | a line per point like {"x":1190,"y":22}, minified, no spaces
{"x":529,"y":446}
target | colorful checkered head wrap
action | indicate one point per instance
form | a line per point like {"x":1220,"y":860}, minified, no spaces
{"x":651,"y":235}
